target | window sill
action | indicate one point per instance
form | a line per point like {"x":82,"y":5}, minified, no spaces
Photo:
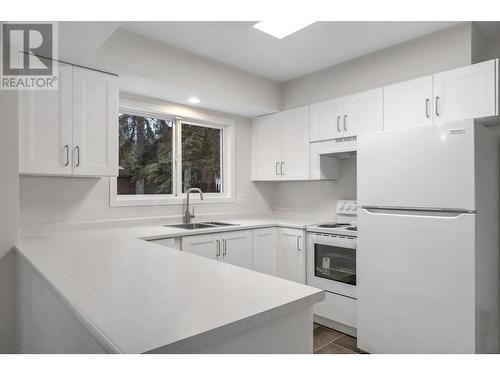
{"x":154,"y":200}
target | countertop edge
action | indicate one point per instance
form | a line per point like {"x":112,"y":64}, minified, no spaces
{"x":216,"y":334}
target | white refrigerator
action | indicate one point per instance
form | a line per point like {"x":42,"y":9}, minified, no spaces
{"x":428,"y":251}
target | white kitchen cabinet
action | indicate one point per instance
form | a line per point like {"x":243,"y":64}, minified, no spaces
{"x":363,"y":113}
{"x":237,"y":248}
{"x":459,"y":94}
{"x":348,"y":116}
{"x":266,"y":157}
{"x":294,"y":126}
{"x":408,"y":104}
{"x":265,"y":243}
{"x":326,"y":119}
{"x":95,"y":123}
{"x":280,"y":146}
{"x":291,"y":257}
{"x":72,"y":131}
{"x":468,"y":92}
{"x":45,"y":128}
{"x":205,"y":245}
{"x":233,"y":247}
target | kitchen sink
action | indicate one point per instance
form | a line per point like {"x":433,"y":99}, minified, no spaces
{"x":217,"y":223}
{"x":202,"y":225}
{"x":191,"y":226}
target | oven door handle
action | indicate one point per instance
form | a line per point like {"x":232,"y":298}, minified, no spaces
{"x":334,"y":241}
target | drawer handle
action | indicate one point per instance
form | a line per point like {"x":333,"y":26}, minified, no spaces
{"x":437,"y":107}
{"x":427,"y":101}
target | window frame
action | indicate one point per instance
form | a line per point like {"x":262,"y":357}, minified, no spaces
{"x":188,"y":116}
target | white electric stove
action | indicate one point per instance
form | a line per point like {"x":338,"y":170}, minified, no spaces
{"x":332,"y":266}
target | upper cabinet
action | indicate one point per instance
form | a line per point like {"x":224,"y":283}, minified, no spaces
{"x":95,"y":123}
{"x":348,"y":116}
{"x":72,"y":131}
{"x":45,"y":127}
{"x":468,"y":92}
{"x":280,"y":146}
{"x":326,"y":120}
{"x":363,"y":113}
{"x":408,"y":104}
{"x":463,"y":93}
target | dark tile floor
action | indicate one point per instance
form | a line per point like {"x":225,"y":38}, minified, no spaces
{"x":329,"y":341}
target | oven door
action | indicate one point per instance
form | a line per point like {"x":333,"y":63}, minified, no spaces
{"x":332,"y":263}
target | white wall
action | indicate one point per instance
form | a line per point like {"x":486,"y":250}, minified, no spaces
{"x":446,"y":49}
{"x":47,"y":200}
{"x":9,"y":217}
{"x":153,"y":69}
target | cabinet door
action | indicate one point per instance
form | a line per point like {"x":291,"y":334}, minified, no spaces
{"x":95,"y":123}
{"x":326,"y":120}
{"x":264,"y":250}
{"x":468,"y":92}
{"x":291,"y":260}
{"x":45,"y":128}
{"x":295,"y":154}
{"x":363,"y":113}
{"x":408,"y":104}
{"x":237,"y":248}
{"x":205,"y":245}
{"x":265,"y":148}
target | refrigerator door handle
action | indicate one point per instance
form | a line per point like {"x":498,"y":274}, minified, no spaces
{"x":417,"y":211}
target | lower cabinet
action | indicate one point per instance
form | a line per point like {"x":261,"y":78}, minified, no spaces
{"x":265,"y":243}
{"x":230,"y":247}
{"x":275,"y":251}
{"x":174,"y":242}
{"x":291,"y":255}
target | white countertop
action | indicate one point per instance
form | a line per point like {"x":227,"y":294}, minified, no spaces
{"x":135,"y":296}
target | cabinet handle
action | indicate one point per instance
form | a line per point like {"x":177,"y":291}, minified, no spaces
{"x":427,"y":101}
{"x":338,"y":124}
{"x":298,"y":243}
{"x":224,"y":247}
{"x":276,"y":168}
{"x":217,"y":248}
{"x":437,"y":103}
{"x":77,"y":148}
{"x":345,"y":123}
{"x":67,"y":155}
{"x":281,"y":168}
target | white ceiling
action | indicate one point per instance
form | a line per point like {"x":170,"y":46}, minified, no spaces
{"x":318,"y":46}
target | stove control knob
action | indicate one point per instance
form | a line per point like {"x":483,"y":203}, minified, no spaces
{"x":348,"y":207}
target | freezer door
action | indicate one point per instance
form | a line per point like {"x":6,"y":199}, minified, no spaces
{"x":416,"y":282}
{"x":424,"y":167}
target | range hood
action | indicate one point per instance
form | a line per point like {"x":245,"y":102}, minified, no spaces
{"x":338,"y":148}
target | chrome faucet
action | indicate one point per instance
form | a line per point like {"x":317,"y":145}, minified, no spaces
{"x":188,"y":215}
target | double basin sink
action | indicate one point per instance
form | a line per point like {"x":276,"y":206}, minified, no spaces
{"x":202,"y":225}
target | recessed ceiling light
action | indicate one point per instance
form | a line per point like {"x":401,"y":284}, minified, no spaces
{"x":194,"y":100}
{"x":281,"y":29}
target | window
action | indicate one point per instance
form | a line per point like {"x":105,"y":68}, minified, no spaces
{"x":161,"y":157}
{"x":145,"y":156}
{"x":201,"y":158}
